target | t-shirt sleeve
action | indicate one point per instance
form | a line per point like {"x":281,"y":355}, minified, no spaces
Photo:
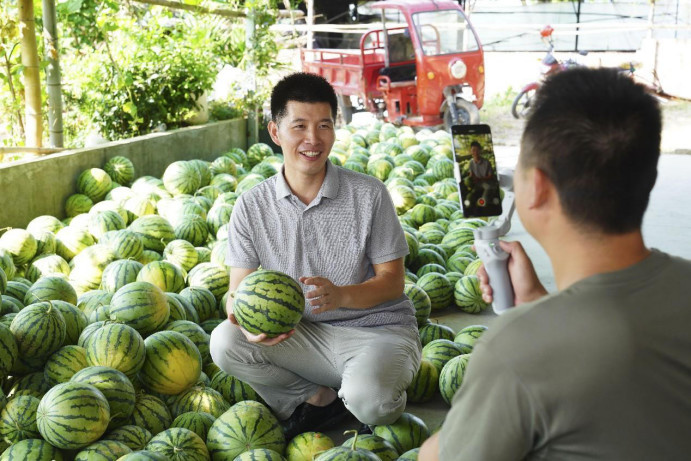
{"x":241,"y":250}
{"x":492,"y":416}
{"x":387,"y":241}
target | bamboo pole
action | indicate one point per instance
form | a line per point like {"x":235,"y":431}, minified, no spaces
{"x":211,"y":10}
{"x":32,"y":83}
{"x":54,"y":86}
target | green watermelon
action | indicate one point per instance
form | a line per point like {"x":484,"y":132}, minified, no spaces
{"x":424,"y":384}
{"x":198,"y":422}
{"x":438,"y":288}
{"x":135,"y":437}
{"x":64,"y":363}
{"x":140,"y":305}
{"x":467,"y":295}
{"x":468,"y":336}
{"x":198,"y":398}
{"x":94,"y":183}
{"x":120,"y":169}
{"x":49,"y":289}
{"x":193,"y":229}
{"x":179,"y":444}
{"x":203,"y":300}
{"x":118,"y":346}
{"x":47,"y":265}
{"x":375,"y":444}
{"x":163,"y":274}
{"x":211,"y":276}
{"x":404,"y":434}
{"x":150,"y":413}
{"x":70,"y":241}
{"x":422,"y":213}
{"x":473,"y":267}
{"x":103,"y":450}
{"x":116,"y":388}
{"x":72,"y":415}
{"x":306,"y":446}
{"x":268,"y":302}
{"x":181,"y":253}
{"x":39,"y":330}
{"x":181,"y":177}
{"x":231,"y":388}
{"x":32,"y":449}
{"x":33,"y":384}
{"x":451,"y":376}
{"x":440,"y":351}
{"x":143,"y":455}
{"x":18,"y":419}
{"x":420,"y":300}
{"x":8,"y":350}
{"x":410,"y":455}
{"x":20,"y":244}
{"x":155,"y":231}
{"x":259,"y":454}
{"x":431,"y":331}
{"x":120,"y":273}
{"x":172,"y":363}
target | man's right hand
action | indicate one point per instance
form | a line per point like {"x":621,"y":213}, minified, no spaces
{"x":261,"y":338}
{"x":526,"y":285}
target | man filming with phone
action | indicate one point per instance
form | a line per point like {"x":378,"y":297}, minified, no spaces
{"x":601,"y":369}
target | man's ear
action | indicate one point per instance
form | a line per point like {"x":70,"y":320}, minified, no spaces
{"x":542,"y":190}
{"x":273,"y":132}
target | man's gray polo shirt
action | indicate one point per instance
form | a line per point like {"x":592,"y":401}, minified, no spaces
{"x":348,"y":227}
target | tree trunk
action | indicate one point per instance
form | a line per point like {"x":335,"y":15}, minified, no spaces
{"x":32,"y":83}
{"x":53,"y":73}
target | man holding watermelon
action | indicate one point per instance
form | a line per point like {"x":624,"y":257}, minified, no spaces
{"x":336,"y":231}
{"x":602,"y":368}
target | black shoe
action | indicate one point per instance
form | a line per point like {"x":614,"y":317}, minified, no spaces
{"x":308,"y":417}
{"x":364,"y":429}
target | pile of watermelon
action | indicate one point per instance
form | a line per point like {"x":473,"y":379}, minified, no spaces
{"x":106,"y":315}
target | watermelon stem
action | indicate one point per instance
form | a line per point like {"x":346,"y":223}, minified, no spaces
{"x":355,"y":434}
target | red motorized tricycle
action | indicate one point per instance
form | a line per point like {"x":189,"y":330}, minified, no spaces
{"x":423,"y":65}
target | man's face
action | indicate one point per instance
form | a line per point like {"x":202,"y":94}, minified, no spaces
{"x":306,"y":135}
{"x":475,"y":152}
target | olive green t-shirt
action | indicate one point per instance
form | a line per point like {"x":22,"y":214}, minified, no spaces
{"x":601,"y":370}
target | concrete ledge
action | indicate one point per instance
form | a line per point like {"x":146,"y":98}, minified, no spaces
{"x":40,"y":186}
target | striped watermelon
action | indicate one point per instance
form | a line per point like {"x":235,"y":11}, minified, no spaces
{"x":211,"y":276}
{"x":244,"y":427}
{"x":172,"y":363}
{"x":138,"y":206}
{"x":420,"y":301}
{"x":410,"y":455}
{"x":45,"y":223}
{"x":467,"y":295}
{"x":380,"y":168}
{"x":429,"y":268}
{"x":101,"y":313}
{"x":89,"y":301}
{"x":258,"y":152}
{"x":232,"y":389}
{"x":179,"y":444}
{"x":94,"y":183}
{"x":104,"y":221}
{"x":404,"y":434}
{"x":64,"y":363}
{"x":24,"y":365}
{"x":451,"y":376}
{"x":32,"y":449}
{"x":77,"y":204}
{"x":438,"y":288}
{"x":71,"y":241}
{"x":120,"y":273}
{"x":39,"y":330}
{"x":155,"y":231}
{"x":8,"y":350}
{"x":177,"y":311}
{"x":149,"y":256}
{"x":225,"y":182}
{"x":9,"y":305}
{"x":143,"y":455}
{"x":459,"y":236}
{"x":468,"y":336}
{"x":374,"y":444}
{"x":119,"y":194}
{"x":199,"y":399}
{"x":120,"y":169}
{"x":140,"y":305}
{"x":219,"y":252}
{"x":458,"y":262}
{"x":126,"y":244}
{"x":190,"y":312}
{"x":20,"y":244}
{"x":473,"y":267}
{"x":306,"y":446}
{"x":72,"y":415}
{"x":403,"y":198}
{"x":440,"y":351}
{"x":268,"y":302}
{"x":181,"y":177}
{"x":181,"y":253}
{"x":163,"y":274}
{"x":193,"y":229}
{"x":210,"y":192}
{"x":7,"y":263}
{"x":33,"y":384}
{"x":116,"y":388}
{"x":49,"y":289}
{"x":134,"y":437}
{"x":103,"y":450}
{"x":198,"y":422}
{"x":453,"y":277}
{"x":195,"y":333}
{"x":118,"y":346}
{"x":427,"y":256}
{"x":150,"y":413}
{"x":45,"y":243}
{"x":18,"y":419}
{"x":17,"y":290}
{"x":203,"y":300}
{"x":46,"y":265}
{"x":422,"y":213}
{"x":204,"y":169}
{"x":424,"y":384}
{"x":219,"y":214}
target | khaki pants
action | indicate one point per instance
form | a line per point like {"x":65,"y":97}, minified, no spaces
{"x":371,"y":366}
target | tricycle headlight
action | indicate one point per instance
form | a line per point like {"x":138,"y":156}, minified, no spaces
{"x":458,"y":69}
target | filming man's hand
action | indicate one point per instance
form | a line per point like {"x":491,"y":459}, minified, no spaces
{"x":262,"y":338}
{"x":526,"y":285}
{"x":325,"y":296}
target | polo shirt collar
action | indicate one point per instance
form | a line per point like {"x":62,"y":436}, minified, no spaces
{"x":329,"y":188}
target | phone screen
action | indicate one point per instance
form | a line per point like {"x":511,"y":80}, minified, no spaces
{"x":476,"y":170}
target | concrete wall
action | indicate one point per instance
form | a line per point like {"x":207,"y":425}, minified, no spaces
{"x":671,"y":60}
{"x":40,"y":186}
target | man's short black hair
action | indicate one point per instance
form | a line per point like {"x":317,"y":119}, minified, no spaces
{"x":301,"y":87}
{"x":596,"y":135}
{"x":475,"y":143}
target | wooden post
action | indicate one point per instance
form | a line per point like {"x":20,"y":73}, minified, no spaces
{"x":32,"y":83}
{"x":53,"y":74}
{"x":310,"y":23}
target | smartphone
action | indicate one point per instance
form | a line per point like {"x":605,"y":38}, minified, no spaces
{"x":475,"y":170}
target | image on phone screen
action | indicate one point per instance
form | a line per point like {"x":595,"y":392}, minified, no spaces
{"x":478,"y":183}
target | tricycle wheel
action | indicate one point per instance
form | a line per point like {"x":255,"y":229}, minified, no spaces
{"x":345,"y":109}
{"x":521,"y":105}
{"x":468,"y":114}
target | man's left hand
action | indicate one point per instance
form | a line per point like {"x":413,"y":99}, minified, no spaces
{"x":325,"y":296}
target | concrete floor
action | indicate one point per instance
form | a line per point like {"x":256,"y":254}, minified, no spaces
{"x":666,"y":226}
